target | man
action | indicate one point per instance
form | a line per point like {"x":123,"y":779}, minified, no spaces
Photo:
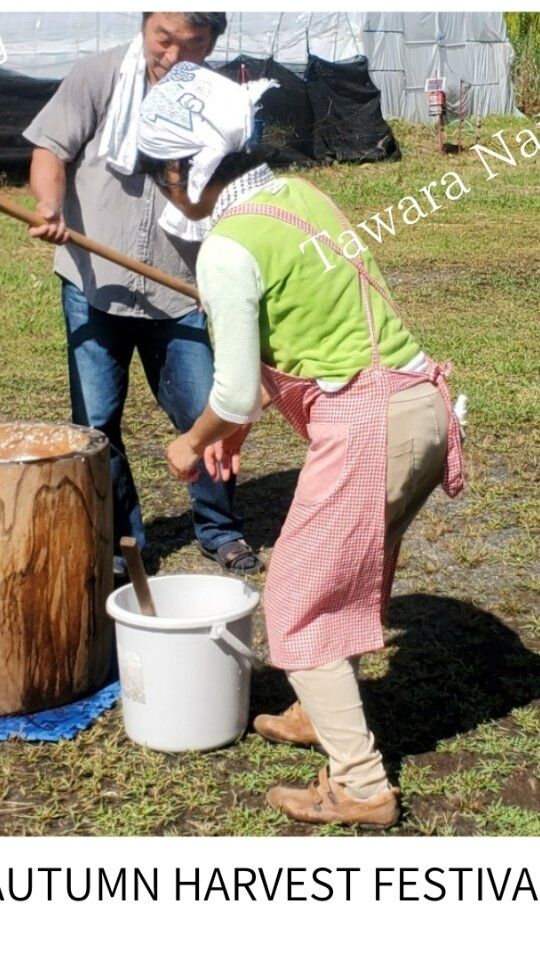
{"x":85,"y":173}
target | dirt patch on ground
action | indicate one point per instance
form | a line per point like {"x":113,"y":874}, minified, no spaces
{"x":442,"y":764}
{"x":436,"y":811}
{"x":523,"y":790}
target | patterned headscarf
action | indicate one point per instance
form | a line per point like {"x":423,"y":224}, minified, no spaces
{"x":194,"y":112}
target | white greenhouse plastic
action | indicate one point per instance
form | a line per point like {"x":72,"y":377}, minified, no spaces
{"x":403,"y":49}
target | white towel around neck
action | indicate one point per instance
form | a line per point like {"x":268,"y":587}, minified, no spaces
{"x":119,"y":139}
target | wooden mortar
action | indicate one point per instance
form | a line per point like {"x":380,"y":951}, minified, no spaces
{"x":55,"y":564}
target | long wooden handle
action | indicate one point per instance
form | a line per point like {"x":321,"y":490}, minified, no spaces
{"x":137,"y":266}
{"x":137,"y":575}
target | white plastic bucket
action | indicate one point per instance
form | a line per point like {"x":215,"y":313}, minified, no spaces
{"x":185,"y":674}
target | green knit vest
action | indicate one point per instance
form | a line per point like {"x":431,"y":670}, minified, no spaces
{"x":312,"y":322}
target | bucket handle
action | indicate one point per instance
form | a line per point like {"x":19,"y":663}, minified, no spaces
{"x":219,"y":632}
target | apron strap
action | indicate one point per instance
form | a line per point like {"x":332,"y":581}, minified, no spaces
{"x":348,"y":226}
{"x":266,"y":210}
{"x":366,"y":281}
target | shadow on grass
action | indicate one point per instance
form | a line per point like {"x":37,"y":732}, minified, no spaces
{"x":262,"y":503}
{"x":453,"y":666}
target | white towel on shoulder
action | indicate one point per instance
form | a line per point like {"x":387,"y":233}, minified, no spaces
{"x":175,"y":223}
{"x":119,"y":139}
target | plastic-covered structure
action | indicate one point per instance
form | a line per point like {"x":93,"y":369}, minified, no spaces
{"x":403,"y":49}
{"x":330,"y":106}
{"x":470,"y":49}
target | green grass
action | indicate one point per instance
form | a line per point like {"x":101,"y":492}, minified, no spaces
{"x":454,"y":699}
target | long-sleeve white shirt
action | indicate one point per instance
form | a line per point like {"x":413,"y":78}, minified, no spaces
{"x":229,"y":280}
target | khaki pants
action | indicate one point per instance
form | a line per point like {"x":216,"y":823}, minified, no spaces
{"x":417,"y":439}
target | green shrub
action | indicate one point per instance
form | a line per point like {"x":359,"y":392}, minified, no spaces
{"x":524,"y":34}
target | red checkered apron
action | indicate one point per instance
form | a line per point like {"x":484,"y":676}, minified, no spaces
{"x":329,"y":580}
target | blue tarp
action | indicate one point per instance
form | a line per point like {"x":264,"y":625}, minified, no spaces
{"x":62,"y":723}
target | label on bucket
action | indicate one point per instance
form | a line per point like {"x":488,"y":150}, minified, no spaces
{"x":131,"y":675}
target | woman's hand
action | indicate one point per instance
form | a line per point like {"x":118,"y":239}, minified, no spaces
{"x":222,"y":458}
{"x":183,"y":459}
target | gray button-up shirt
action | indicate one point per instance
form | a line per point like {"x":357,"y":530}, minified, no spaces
{"x":120,"y":211}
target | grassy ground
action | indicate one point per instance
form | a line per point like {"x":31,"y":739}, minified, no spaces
{"x":455,"y":697}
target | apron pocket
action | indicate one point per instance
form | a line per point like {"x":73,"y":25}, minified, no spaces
{"x":324,"y":464}
{"x":399,"y":473}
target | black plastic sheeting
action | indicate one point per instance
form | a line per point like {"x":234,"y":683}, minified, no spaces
{"x":347,"y":121}
{"x":285,"y":110}
{"x":20,"y":99}
{"x":331,"y":114}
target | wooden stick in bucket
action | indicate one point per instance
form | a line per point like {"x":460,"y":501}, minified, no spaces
{"x":137,"y":575}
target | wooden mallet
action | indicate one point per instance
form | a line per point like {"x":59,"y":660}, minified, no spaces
{"x":137,"y":575}
{"x":129,"y":263}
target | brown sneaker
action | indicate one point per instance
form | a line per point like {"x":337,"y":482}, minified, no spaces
{"x":325,"y":801}
{"x":292,"y":726}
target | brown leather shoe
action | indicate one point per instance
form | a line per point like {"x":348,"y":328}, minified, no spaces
{"x":325,"y":801}
{"x":292,"y":726}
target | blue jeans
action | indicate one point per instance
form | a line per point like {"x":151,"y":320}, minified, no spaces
{"x":177,"y":360}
